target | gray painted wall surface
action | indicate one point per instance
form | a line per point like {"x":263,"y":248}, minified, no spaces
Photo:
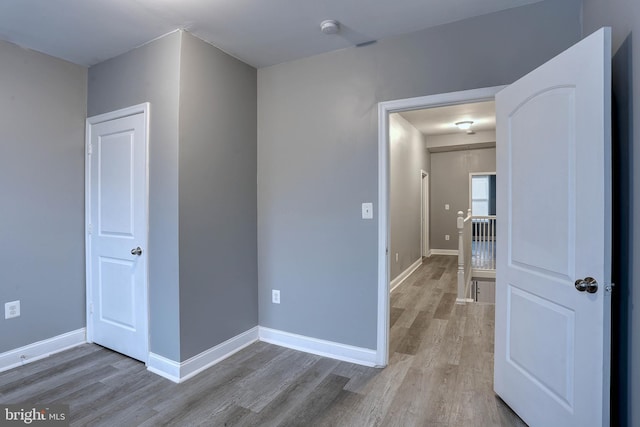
{"x":624,"y":18}
{"x":407,"y":157}
{"x":217,"y":193}
{"x":450,"y":185}
{"x":42,"y":115}
{"x":151,"y":73}
{"x":318,"y":159}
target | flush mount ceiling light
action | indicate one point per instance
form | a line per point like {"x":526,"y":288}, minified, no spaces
{"x":465,"y":125}
{"x":329,"y":26}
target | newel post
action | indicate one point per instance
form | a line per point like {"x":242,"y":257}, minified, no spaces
{"x":460,"y":224}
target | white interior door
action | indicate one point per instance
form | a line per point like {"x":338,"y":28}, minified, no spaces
{"x":117,"y":234}
{"x":553,"y":155}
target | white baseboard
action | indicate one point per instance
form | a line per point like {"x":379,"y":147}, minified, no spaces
{"x":403,"y":276}
{"x":182,"y":371}
{"x":41,"y":349}
{"x":444,"y":252}
{"x":334,"y":350}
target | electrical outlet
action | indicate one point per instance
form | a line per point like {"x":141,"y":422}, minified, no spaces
{"x":275,"y":296}
{"x":12,"y":309}
{"x":396,"y":256}
{"x":446,"y":237}
{"x":446,"y":207}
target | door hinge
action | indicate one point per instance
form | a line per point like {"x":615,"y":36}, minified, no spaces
{"x":90,"y":308}
{"x":89,"y":228}
{"x":89,"y":149}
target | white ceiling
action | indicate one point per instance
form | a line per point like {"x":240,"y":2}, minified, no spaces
{"x":441,"y":120}
{"x":259,"y":32}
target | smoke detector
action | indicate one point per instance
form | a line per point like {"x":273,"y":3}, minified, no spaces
{"x":329,"y":26}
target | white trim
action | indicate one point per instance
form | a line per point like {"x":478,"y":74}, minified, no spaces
{"x":444,"y":252}
{"x":384,"y":109}
{"x":483,"y":274}
{"x":119,"y":114}
{"x":41,"y":349}
{"x":143,"y":108}
{"x":405,"y":274}
{"x":181,"y":371}
{"x":334,"y":350}
{"x":424,"y":213}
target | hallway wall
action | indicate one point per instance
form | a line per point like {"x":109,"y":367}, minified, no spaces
{"x":408,"y":155}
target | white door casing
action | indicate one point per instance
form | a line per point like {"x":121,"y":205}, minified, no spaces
{"x":116,"y":215}
{"x":384,"y":109}
{"x":552,"y":342}
{"x":424,"y":217}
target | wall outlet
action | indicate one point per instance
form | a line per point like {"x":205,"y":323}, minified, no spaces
{"x":446,"y":237}
{"x":275,"y":296}
{"x":12,"y":309}
{"x":446,"y":207}
{"x":396,"y":256}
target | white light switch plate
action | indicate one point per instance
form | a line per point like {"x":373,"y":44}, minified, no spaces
{"x":446,"y":207}
{"x":367,"y":211}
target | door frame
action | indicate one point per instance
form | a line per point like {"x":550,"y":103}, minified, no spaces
{"x":424,"y":213}
{"x":384,"y":109}
{"x":93,"y":120}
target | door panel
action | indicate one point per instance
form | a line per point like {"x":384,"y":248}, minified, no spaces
{"x":553,"y":148}
{"x":118,"y":224}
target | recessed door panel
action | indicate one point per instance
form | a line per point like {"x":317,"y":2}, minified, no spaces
{"x":117,"y":292}
{"x":115,"y":190}
{"x":543,"y":349}
{"x":542,"y":203}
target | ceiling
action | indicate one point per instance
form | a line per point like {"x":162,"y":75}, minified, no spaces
{"x":441,"y":120}
{"x":259,"y":32}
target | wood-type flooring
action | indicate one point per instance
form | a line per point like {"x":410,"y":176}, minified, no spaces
{"x":440,"y":374}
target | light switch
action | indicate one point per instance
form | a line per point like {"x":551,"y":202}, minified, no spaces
{"x":367,"y":211}
{"x":446,"y":207}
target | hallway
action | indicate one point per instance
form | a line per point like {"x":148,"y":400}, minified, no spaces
{"x":440,"y":374}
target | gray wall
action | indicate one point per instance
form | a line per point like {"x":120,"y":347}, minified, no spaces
{"x":318,"y":160}
{"x":450,"y":185}
{"x":151,"y":73}
{"x":217,"y":193}
{"x":42,"y":115}
{"x":407,"y":157}
{"x":624,"y":18}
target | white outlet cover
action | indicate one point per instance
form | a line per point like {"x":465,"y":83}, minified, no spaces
{"x":367,"y":211}
{"x":446,"y":237}
{"x":275,"y":296}
{"x":446,"y":207}
{"x":12,"y":309}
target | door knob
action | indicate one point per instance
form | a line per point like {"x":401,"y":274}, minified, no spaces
{"x":588,"y":284}
{"x":138,"y":251}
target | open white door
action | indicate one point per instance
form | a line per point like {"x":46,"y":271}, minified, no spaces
{"x":117,"y":231}
{"x":553,"y":157}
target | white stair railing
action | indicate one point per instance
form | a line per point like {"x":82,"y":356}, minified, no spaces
{"x":464,"y":256}
{"x":483,"y":242}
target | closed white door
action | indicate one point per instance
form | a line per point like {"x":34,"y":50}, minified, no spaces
{"x":554,"y":246}
{"x":117,"y":234}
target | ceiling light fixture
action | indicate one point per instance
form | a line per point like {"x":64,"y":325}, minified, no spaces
{"x":465,"y":125}
{"x":329,"y":26}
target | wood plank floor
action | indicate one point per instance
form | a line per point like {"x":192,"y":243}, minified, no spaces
{"x":440,"y":374}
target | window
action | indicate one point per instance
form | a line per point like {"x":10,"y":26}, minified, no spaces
{"x":480,"y":195}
